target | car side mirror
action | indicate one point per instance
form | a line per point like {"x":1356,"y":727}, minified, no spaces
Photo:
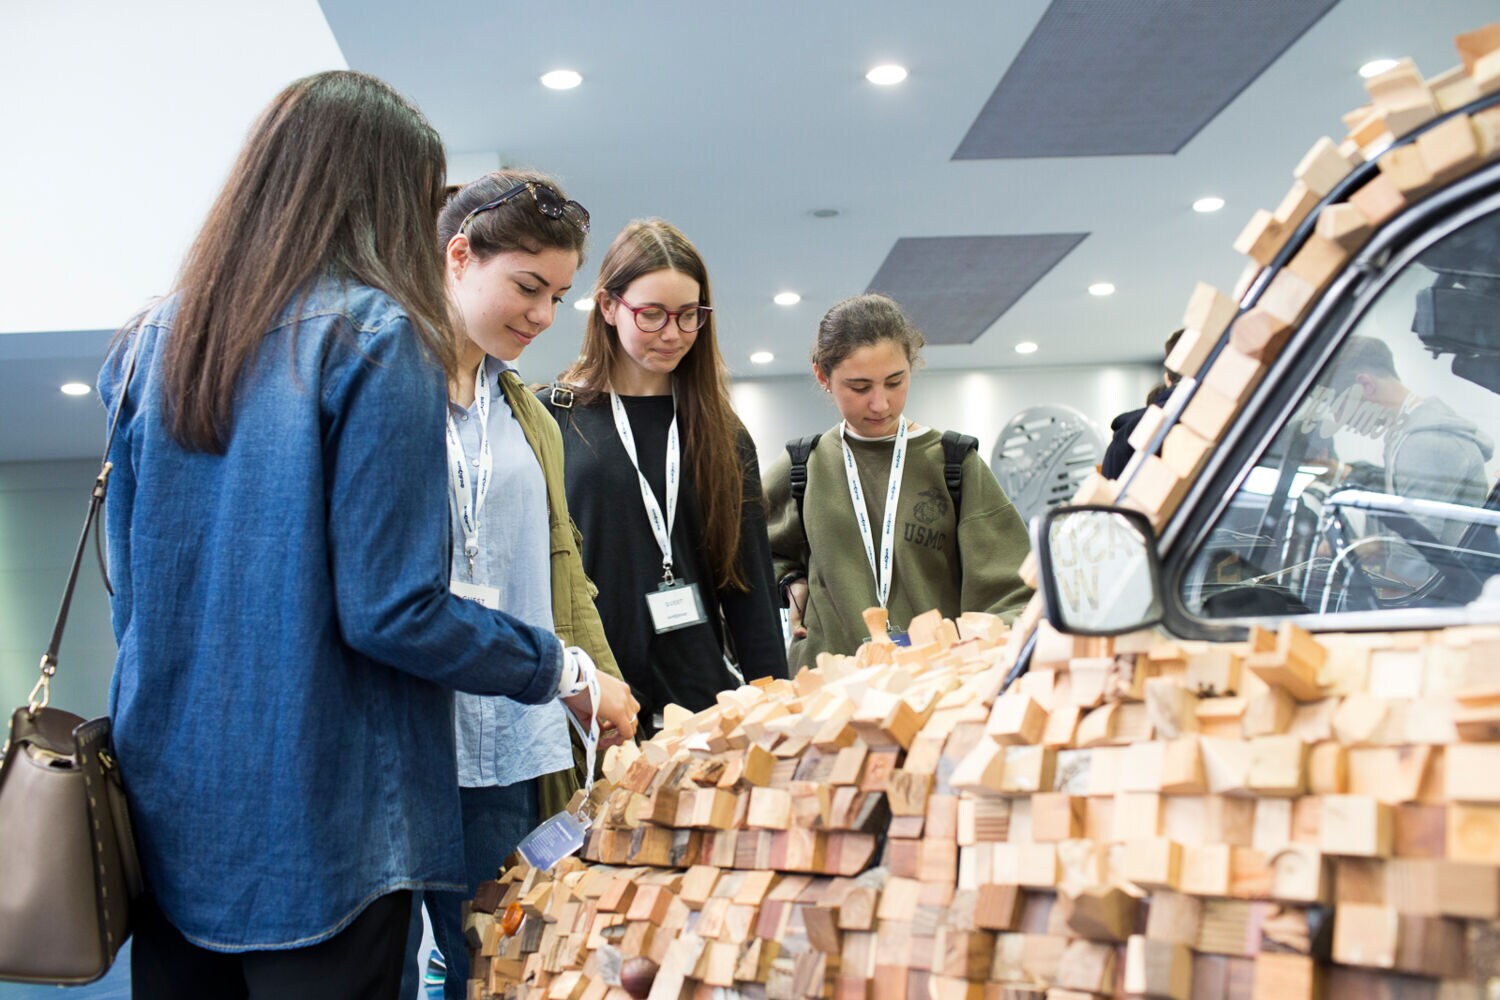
{"x":1099,"y":570}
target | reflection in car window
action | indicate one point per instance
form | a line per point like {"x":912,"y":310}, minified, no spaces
{"x":1379,"y":491}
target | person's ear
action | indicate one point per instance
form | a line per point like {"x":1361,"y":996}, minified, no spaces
{"x":822,"y":379}
{"x":1367,"y":386}
{"x":606,"y":304}
{"x":456,"y":255}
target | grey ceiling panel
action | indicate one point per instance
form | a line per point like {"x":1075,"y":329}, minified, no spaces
{"x":955,"y":287}
{"x":1109,"y":78}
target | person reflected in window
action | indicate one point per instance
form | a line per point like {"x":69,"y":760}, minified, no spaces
{"x":1430,"y":451}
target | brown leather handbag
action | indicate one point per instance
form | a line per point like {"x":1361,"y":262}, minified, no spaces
{"x":68,"y":869}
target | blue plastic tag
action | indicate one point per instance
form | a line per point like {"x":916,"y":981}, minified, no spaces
{"x":555,"y":839}
{"x":901,"y":638}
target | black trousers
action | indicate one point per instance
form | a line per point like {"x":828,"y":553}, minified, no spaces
{"x":361,"y":962}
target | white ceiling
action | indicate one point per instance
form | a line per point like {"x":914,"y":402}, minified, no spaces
{"x":734,"y":121}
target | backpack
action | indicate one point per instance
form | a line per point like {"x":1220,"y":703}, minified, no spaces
{"x":956,"y":447}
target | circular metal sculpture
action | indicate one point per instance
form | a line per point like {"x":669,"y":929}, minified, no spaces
{"x":1042,"y":455}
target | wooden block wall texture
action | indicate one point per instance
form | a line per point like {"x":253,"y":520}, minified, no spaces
{"x":1290,"y":817}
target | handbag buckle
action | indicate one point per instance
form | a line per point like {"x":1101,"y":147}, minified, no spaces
{"x":41,"y":692}
{"x":562,"y":396}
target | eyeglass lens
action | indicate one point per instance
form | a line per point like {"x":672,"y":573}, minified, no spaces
{"x":653,"y":318}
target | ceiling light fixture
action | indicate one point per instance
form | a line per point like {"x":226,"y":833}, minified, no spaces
{"x":584,"y":305}
{"x":1026,"y":347}
{"x":886,"y":75}
{"x":762,"y":357}
{"x":1375,"y":67}
{"x":561,"y":79}
{"x":1210,"y":204}
{"x":1101,"y":288}
{"x":786,"y":298}
{"x":75,"y":389}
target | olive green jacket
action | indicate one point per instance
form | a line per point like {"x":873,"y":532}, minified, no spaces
{"x":574,"y":617}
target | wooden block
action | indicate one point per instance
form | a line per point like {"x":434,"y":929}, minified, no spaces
{"x":1102,"y":913}
{"x":1406,"y":168}
{"x":1294,"y":678}
{"x":770,"y":809}
{"x":1262,"y":238}
{"x":1487,"y":132}
{"x":1345,"y":225}
{"x":1401,"y":97}
{"x":1287,"y":977}
{"x":1154,"y":863}
{"x":1170,"y":705}
{"x":1208,"y":311}
{"x":1159,"y":969}
{"x":1208,"y":414}
{"x":1328,"y":769}
{"x":1475,"y":45}
{"x":1322,"y":167}
{"x":1016,"y":719}
{"x":1234,"y":375}
{"x":1137,"y":816}
{"x":1296,"y":206}
{"x":1028,"y":769}
{"x":1226,"y":764}
{"x":981,"y":770}
{"x":1098,"y":727}
{"x":1318,"y":260}
{"x":1182,"y":767}
{"x":1365,"y":934}
{"x":1278,"y":766}
{"x":1190,"y":351}
{"x":906,"y":793}
{"x":1055,"y":816}
{"x":1379,"y":200}
{"x":1205,"y":869}
{"x":1036,"y":865}
{"x":1472,"y":773}
{"x":1146,"y":428}
{"x":1268,"y":714}
{"x":1474,"y":833}
{"x":1450,"y":149}
{"x":1453,"y":89}
{"x":1258,"y":334}
{"x":1356,"y":825}
{"x":1088,"y":966}
{"x":997,"y":907}
{"x":1298,"y":874}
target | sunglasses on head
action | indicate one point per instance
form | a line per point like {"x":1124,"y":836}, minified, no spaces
{"x":547,"y":201}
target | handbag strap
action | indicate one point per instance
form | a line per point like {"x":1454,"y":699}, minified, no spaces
{"x":42,"y":691}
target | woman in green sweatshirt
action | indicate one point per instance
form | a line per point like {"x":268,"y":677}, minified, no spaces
{"x":879,"y":523}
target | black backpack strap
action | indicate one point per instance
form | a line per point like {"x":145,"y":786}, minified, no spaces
{"x":800,"y":449}
{"x":956,"y":448}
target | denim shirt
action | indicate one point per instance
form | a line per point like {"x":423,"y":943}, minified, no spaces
{"x":288,"y":646}
{"x":500,"y":741}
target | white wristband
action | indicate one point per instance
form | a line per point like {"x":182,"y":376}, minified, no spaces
{"x":577,"y":672}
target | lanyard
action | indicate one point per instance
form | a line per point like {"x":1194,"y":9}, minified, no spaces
{"x":882,"y":570}
{"x":589,"y":736}
{"x":661,"y":526}
{"x":470,"y":503}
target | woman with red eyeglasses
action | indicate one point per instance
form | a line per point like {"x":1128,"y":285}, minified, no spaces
{"x":664,"y":483}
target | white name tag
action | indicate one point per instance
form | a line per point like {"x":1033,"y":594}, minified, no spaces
{"x":675,"y":606}
{"x":488,"y":597}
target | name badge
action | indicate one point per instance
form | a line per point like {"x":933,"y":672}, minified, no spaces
{"x":557,"y":838}
{"x":674,"y":606}
{"x":487,"y":597}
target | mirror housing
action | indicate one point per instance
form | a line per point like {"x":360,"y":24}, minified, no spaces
{"x":1098,"y":568}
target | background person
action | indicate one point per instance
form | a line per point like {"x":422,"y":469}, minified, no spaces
{"x":916,"y":551}
{"x":663,"y":480}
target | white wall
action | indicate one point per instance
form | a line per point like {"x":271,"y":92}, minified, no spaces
{"x":42,"y":505}
{"x":775,"y":410}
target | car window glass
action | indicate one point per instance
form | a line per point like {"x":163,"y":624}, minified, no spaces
{"x":1379,"y":491}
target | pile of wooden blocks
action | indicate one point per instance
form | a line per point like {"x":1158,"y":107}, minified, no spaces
{"x":1288,"y":817}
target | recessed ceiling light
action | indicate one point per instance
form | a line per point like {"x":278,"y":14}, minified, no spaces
{"x":75,"y":389}
{"x":1210,"y":204}
{"x":1026,"y":347}
{"x":1375,"y":67}
{"x":886,"y":74}
{"x":584,"y":305}
{"x":786,"y":298}
{"x":762,"y":357}
{"x":561,"y":79}
{"x":1101,"y":288}
{"x":825,"y":213}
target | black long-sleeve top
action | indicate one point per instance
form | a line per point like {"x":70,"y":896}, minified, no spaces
{"x":620,"y":554}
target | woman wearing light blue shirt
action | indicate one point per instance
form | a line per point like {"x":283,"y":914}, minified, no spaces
{"x":512,"y":243}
